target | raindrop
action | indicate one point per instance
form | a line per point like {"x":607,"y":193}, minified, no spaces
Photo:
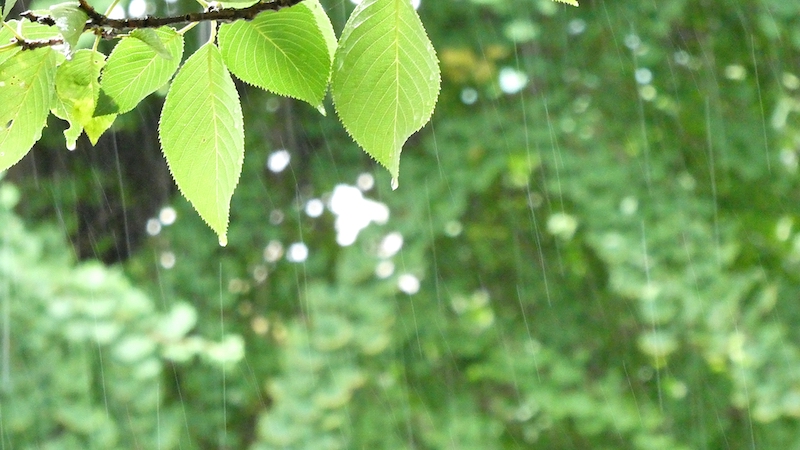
{"x":632,"y":41}
{"x":276,"y":217}
{"x":278,"y":160}
{"x":354,"y":213}
{"x":789,"y":159}
{"x":153,"y":227}
{"x":384,"y":269}
{"x":648,"y":92}
{"x":681,"y":58}
{"x":365,"y":181}
{"x":272,"y":104}
{"x":395,"y":183}
{"x":469,"y":96}
{"x":167,"y":260}
{"x":314,"y":207}
{"x":629,"y":205}
{"x":71,"y":145}
{"x":512,"y":80}
{"x":223,"y":240}
{"x":408,"y":283}
{"x":167,"y":215}
{"x":260,"y":274}
{"x":273,"y":251}
{"x":137,"y":8}
{"x":643,"y":75}
{"x":390,"y":245}
{"x":576,"y":26}
{"x":790,"y":81}
{"x":453,"y":228}
{"x":735,"y":72}
{"x":297,"y":252}
{"x":562,"y":225}
{"x":783,"y":229}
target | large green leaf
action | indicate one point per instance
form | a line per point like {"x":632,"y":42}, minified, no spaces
{"x":385,"y":78}
{"x":70,"y":20}
{"x":26,"y":92}
{"x":30,"y":30}
{"x":5,"y":36}
{"x":283,"y":51}
{"x":202,"y":134}
{"x":77,"y":88}
{"x":137,"y":67}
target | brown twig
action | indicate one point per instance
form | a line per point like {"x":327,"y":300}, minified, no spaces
{"x":110,"y":28}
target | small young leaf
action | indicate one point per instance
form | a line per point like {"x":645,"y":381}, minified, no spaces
{"x":6,"y":6}
{"x":385,"y":78}
{"x":135,"y":69}
{"x":202,"y":135}
{"x":26,"y":87}
{"x":77,"y":88}
{"x":70,"y":20}
{"x":282,"y":51}
{"x":150,"y":37}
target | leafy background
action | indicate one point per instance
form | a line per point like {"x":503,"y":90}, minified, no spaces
{"x":601,"y":217}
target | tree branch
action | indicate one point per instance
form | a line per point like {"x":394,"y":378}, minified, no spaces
{"x":109,"y":28}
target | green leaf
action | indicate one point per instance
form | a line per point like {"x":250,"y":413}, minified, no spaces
{"x":385,"y":78}
{"x":150,"y":37}
{"x":136,"y":68}
{"x":324,"y":24}
{"x":202,"y":135}
{"x":282,"y":51}
{"x":70,"y":20}
{"x":5,"y":36}
{"x":26,"y":89}
{"x":6,"y":6}
{"x":77,"y":88}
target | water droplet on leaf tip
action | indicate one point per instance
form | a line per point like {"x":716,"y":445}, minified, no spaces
{"x":71,"y":145}
{"x":321,"y":109}
{"x":395,"y":183}
{"x":223,"y":240}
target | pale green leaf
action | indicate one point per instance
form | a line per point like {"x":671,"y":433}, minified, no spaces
{"x":135,"y":69}
{"x":77,"y":88}
{"x":324,"y":24}
{"x":6,"y":6}
{"x":282,"y":51}
{"x":70,"y":20}
{"x":202,"y":135}
{"x":150,"y":37}
{"x":5,"y":37}
{"x":385,"y":79}
{"x":569,"y":2}
{"x":26,"y":91}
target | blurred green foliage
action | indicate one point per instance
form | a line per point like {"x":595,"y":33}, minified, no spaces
{"x":608,"y":258}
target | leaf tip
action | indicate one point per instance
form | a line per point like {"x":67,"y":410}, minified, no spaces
{"x":395,"y":183}
{"x":321,"y":109}
{"x":223,"y":240}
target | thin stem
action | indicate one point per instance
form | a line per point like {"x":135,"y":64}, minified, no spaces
{"x":188,"y":27}
{"x":111,"y":7}
{"x":16,"y":34}
{"x":213,"y":35}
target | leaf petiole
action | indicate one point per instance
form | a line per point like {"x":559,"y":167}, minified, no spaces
{"x":16,"y":34}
